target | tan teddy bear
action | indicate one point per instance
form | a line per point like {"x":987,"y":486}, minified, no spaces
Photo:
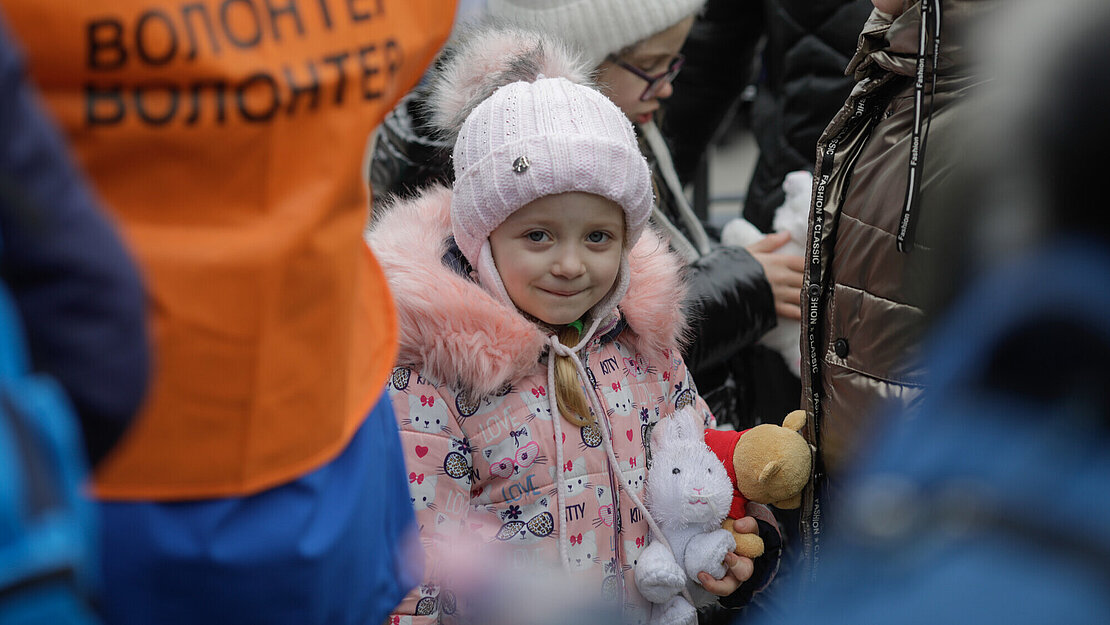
{"x":768,"y":464}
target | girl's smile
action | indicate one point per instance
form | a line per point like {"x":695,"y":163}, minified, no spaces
{"x":559,"y":255}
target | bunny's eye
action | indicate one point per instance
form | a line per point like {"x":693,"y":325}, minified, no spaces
{"x":709,"y":469}
{"x":675,"y":471}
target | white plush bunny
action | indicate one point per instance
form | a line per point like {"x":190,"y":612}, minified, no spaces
{"x":688,"y":495}
{"x":792,"y":217}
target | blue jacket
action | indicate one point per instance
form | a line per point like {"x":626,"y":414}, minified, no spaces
{"x":990,"y":505}
{"x":75,"y":285}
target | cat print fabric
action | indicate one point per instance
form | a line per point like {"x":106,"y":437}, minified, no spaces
{"x":501,"y":466}
{"x":502,"y":491}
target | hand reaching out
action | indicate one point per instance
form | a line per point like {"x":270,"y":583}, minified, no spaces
{"x":783,"y":272}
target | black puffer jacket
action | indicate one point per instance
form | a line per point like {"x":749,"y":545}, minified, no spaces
{"x":801,"y":85}
{"x":407,"y":155}
{"x":806,"y":45}
{"x":809,"y":43}
{"x":719,"y":51}
{"x":730,"y":303}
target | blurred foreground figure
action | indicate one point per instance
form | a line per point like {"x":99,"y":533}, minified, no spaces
{"x":74,"y":359}
{"x":989,"y":504}
{"x":263,"y":481}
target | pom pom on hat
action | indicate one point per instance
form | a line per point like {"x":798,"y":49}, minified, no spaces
{"x":485,"y":57}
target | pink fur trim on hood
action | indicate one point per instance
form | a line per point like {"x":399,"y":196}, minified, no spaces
{"x":454,"y":330}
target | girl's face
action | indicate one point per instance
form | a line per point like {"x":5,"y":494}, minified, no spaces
{"x":652,"y":56}
{"x":560,"y":254}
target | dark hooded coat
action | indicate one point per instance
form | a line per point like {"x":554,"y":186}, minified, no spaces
{"x":862,"y":302}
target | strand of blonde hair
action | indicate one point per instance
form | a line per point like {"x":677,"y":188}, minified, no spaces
{"x":568,"y":388}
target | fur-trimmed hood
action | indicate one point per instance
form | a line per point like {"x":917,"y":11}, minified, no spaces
{"x":453,"y":329}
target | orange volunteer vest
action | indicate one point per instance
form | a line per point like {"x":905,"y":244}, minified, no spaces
{"x":226,"y":137}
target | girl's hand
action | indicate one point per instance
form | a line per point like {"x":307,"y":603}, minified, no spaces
{"x":739,"y":568}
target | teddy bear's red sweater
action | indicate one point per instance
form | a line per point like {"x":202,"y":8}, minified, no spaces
{"x":724,"y":444}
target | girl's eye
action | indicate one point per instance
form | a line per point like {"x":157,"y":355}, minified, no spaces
{"x":536,"y":236}
{"x":598,"y":236}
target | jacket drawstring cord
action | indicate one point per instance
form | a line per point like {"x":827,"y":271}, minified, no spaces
{"x":560,"y":483}
{"x":557,"y":348}
{"x":908,"y":221}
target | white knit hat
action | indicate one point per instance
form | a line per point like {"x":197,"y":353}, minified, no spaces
{"x":596,"y":28}
{"x":534,"y":138}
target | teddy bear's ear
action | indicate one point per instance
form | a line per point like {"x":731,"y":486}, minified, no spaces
{"x":770,"y":470}
{"x":795,"y":420}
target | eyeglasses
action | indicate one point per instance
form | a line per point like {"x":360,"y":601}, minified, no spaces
{"x":525,"y":456}
{"x":656,"y":82}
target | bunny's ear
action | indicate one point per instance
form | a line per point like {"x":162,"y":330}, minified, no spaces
{"x":682,"y":425}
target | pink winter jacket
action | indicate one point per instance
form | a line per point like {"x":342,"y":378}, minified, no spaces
{"x":485,"y":457}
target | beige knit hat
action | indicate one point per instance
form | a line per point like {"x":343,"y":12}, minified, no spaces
{"x":596,"y":28}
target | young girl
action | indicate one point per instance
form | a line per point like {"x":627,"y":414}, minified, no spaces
{"x":540,"y":327}
{"x":633,"y":49}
